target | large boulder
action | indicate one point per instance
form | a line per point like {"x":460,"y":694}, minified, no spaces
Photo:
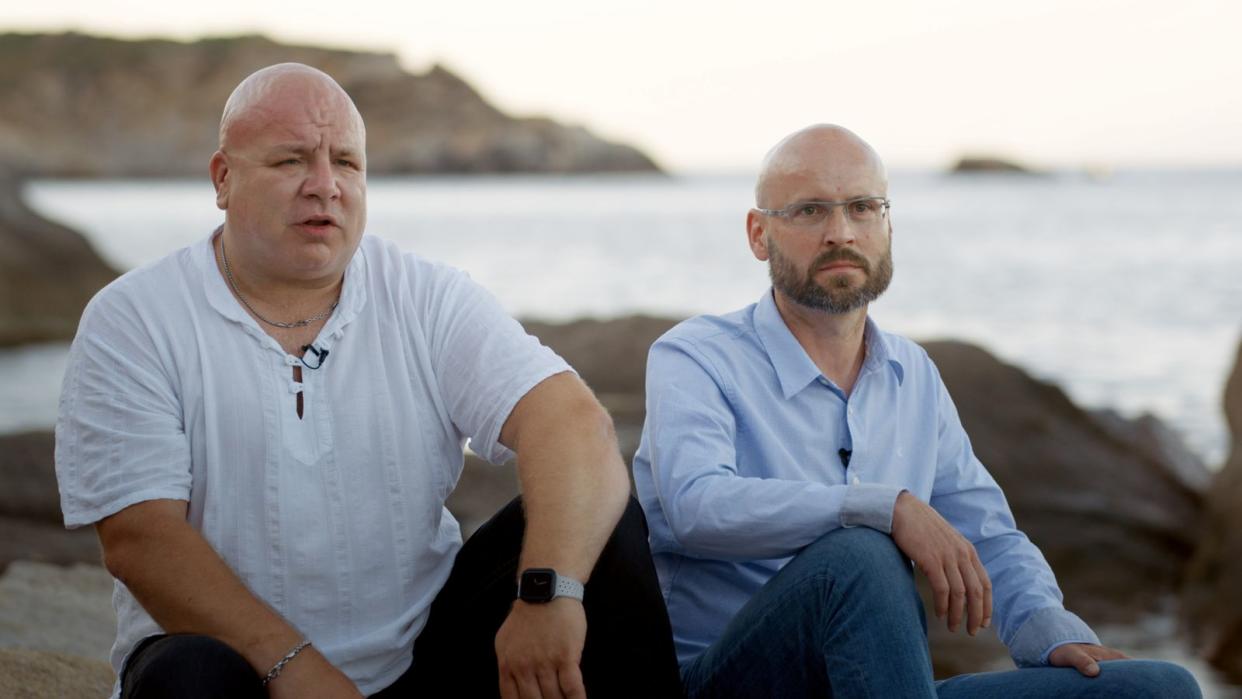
{"x":1114,"y":505}
{"x":72,"y":104}
{"x":1213,"y":599}
{"x":56,"y":631}
{"x":36,"y":674}
{"x":31,"y":525}
{"x":611,"y":357}
{"x":47,"y":272}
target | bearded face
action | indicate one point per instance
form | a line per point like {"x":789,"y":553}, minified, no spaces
{"x":841,"y":293}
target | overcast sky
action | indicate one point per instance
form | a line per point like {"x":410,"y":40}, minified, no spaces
{"x":709,"y":86}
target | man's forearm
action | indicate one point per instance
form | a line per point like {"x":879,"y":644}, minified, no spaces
{"x":186,"y":587}
{"x":574,"y":484}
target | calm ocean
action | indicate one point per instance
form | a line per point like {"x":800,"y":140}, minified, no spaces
{"x":1125,"y":289}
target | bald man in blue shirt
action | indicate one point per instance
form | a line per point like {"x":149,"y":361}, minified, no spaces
{"x":796,"y":460}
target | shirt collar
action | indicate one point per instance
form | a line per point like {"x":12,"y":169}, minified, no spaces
{"x":794,"y":368}
{"x":353,"y":295}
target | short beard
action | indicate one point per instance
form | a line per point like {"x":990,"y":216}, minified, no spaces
{"x":840,"y":296}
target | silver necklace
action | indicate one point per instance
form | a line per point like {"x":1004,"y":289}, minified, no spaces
{"x":228,"y":274}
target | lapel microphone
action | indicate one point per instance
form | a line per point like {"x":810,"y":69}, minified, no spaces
{"x":321,"y":356}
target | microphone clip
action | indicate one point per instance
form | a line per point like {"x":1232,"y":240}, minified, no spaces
{"x":321,"y":356}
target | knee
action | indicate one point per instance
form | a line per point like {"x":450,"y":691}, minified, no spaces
{"x":859,"y":549}
{"x":629,"y":537}
{"x":861,"y":562}
{"x":190,"y":666}
{"x":633,"y":522}
{"x":1154,"y":679}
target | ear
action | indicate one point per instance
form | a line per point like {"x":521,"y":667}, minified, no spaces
{"x":755,"y":235}
{"x":219,"y":168}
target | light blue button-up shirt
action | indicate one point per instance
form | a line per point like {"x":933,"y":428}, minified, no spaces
{"x":739,"y":468}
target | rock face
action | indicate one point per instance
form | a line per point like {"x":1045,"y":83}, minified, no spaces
{"x":1213,"y":598}
{"x":1117,"y":523}
{"x":1114,"y":505}
{"x":32,"y":674}
{"x":75,"y":105}
{"x":47,"y":272}
{"x":611,"y":356}
{"x":31,"y":526}
{"x":56,"y":630}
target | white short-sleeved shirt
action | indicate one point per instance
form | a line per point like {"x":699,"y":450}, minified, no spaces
{"x":336,"y":519}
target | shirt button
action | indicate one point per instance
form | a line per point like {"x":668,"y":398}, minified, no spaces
{"x":855,"y":481}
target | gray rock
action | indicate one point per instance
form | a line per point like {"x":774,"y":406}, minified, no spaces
{"x":29,"y":475}
{"x":47,"y":272}
{"x":1114,"y":519}
{"x":33,"y":674}
{"x":1213,"y":598}
{"x":63,"y":610}
{"x":1149,"y":434}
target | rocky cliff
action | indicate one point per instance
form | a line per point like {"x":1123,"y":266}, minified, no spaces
{"x":76,"y":105}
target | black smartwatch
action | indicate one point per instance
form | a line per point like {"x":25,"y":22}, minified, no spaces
{"x":540,"y":585}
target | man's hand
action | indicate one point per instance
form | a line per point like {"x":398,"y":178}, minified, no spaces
{"x":959,"y":583}
{"x":1083,"y":657}
{"x":539,"y":649}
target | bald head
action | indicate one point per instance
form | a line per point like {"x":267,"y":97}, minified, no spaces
{"x":818,"y":150}
{"x":269,"y":89}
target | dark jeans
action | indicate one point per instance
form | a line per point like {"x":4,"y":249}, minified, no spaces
{"x":629,"y":645}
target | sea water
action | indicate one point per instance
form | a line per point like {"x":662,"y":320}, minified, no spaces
{"x":1123,"y":289}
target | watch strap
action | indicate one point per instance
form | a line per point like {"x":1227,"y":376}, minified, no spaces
{"x":568,"y":587}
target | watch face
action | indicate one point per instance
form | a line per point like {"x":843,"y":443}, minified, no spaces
{"x":537,"y":585}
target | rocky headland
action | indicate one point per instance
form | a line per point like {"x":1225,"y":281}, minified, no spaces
{"x":78,"y":105}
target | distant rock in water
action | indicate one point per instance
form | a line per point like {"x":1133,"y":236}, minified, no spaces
{"x":77,"y":105}
{"x":1213,"y":599}
{"x":47,"y":272}
{"x":982,"y":163}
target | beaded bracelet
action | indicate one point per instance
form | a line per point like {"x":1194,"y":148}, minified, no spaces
{"x":280,"y":664}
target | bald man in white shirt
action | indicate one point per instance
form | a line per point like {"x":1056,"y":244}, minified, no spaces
{"x":264,"y":428}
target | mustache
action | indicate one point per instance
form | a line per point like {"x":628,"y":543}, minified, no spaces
{"x":841,"y":255}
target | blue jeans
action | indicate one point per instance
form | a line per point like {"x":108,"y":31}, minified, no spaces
{"x":843,"y":619}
